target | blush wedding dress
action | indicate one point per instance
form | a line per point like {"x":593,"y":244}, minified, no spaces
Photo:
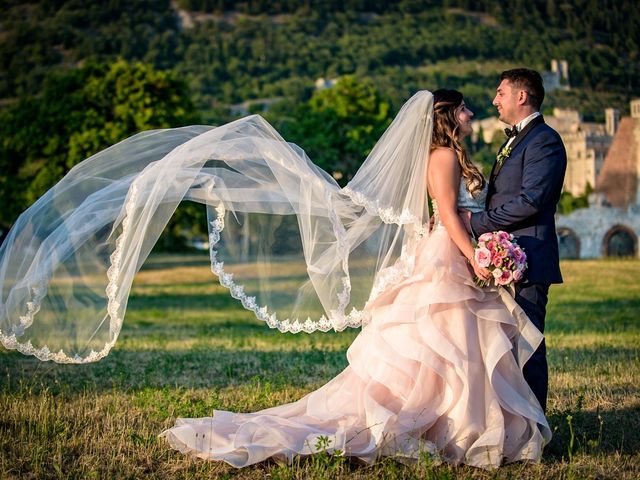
{"x":437,"y":365}
{"x":438,"y":369}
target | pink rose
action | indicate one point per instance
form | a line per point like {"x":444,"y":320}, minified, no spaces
{"x":497,"y":261}
{"x":497,"y":273}
{"x":517,"y":275}
{"x":485,"y":237}
{"x":503,"y":236}
{"x":483,"y":257}
{"x":506,"y":278}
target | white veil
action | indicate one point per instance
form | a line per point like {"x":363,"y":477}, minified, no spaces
{"x":288,"y":242}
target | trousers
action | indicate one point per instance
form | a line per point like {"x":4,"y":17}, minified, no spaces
{"x":533,"y":300}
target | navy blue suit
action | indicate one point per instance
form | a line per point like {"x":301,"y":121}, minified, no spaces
{"x":523,"y":194}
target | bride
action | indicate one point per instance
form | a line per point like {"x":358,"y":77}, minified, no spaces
{"x":437,"y":366}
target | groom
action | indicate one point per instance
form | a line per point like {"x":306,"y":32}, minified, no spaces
{"x":524,"y":189}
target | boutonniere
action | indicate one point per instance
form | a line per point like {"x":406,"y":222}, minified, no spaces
{"x":503,"y":154}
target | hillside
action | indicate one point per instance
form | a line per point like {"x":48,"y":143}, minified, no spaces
{"x":233,"y":51}
{"x":77,"y":76}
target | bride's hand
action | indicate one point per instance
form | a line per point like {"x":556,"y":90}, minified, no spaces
{"x":481,"y":272}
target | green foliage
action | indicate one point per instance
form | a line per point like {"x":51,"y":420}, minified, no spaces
{"x":568,"y":203}
{"x":589,"y":103}
{"x":38,"y":35}
{"x":485,"y":154}
{"x":331,"y":38}
{"x":78,"y":113}
{"x":339,"y":125}
{"x":123,"y":99}
{"x":272,"y":46}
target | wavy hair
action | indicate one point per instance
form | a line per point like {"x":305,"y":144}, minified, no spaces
{"x":446,"y":134}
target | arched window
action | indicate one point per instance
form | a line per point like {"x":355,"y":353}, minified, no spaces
{"x":620,"y":241}
{"x":568,"y":243}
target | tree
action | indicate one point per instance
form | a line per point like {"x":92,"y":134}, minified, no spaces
{"x":78,"y":113}
{"x":568,"y":203}
{"x":339,"y":126}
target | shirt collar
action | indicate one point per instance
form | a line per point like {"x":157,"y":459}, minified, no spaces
{"x":523,"y":123}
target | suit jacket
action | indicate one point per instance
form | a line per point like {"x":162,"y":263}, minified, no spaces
{"x":522,"y":198}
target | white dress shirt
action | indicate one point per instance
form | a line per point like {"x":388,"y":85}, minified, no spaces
{"x":523,"y":123}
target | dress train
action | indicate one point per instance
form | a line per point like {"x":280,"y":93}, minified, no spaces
{"x":437,"y":370}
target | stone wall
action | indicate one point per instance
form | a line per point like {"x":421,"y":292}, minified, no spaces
{"x":596,"y":226}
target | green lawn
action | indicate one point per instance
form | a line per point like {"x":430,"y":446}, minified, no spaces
{"x":187,"y":348}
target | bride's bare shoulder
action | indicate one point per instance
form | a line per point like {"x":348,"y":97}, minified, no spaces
{"x":442,"y":157}
{"x":443,"y":168}
{"x":442,"y":154}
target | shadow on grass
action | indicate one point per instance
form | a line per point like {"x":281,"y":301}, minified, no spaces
{"x":183,"y":301}
{"x":594,"y":432}
{"x":295,"y":363}
{"x":567,"y":317}
{"x":195,"y":368}
{"x":162,"y":262}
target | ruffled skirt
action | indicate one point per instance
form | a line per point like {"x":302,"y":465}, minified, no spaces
{"x":437,"y":370}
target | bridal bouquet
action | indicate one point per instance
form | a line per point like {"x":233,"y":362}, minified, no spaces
{"x":499,"y":252}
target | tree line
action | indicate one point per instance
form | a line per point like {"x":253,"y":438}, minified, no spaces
{"x":76,"y":77}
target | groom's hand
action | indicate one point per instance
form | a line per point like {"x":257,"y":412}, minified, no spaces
{"x":465,"y":216}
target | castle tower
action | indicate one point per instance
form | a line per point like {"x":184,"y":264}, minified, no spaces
{"x":564,"y":72}
{"x":635,"y":108}
{"x":612,"y":120}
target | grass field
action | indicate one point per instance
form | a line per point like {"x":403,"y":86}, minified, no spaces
{"x":187,"y":348}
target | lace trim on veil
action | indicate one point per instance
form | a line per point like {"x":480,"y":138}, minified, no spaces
{"x":113,"y":306}
{"x":338,"y":320}
{"x":386,"y":214}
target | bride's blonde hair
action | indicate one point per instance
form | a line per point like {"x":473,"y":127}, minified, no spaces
{"x":446,"y":134}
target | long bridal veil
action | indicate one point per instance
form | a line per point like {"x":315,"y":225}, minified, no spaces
{"x":284,"y":238}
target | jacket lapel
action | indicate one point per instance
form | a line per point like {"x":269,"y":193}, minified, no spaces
{"x":519,"y":137}
{"x":495,"y":162}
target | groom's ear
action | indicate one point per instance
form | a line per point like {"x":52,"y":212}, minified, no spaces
{"x":523,"y":97}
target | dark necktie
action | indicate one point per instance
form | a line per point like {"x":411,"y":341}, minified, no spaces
{"x":511,"y":132}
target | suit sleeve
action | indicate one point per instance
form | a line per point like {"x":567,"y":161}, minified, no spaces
{"x":542,"y":175}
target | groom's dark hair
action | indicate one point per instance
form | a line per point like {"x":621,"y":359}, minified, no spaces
{"x":529,"y":81}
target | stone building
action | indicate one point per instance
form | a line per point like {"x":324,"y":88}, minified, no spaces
{"x":486,"y":128}
{"x":324,"y":83}
{"x":558,"y":77}
{"x":610,"y":226}
{"x":587,"y":145}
